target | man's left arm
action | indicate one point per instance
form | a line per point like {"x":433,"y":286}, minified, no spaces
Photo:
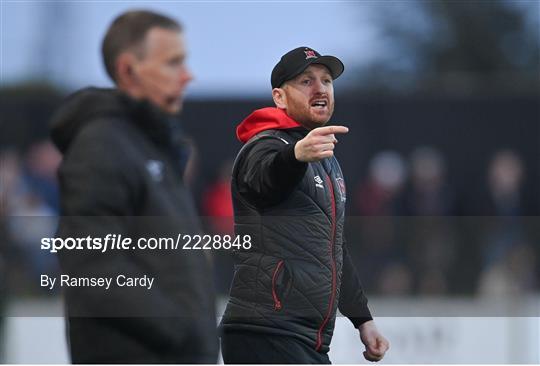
{"x":353,"y":304}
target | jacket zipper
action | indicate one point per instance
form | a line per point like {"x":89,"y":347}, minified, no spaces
{"x":277,"y":302}
{"x":333,"y":262}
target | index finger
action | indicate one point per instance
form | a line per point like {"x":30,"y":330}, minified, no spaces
{"x":328,"y":130}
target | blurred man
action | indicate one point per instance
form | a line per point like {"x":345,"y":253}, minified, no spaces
{"x":122,"y":174}
{"x":289,"y":196}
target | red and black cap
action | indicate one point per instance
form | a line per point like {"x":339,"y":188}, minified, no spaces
{"x":294,"y":62}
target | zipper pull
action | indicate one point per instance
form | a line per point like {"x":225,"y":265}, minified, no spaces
{"x":277,"y":305}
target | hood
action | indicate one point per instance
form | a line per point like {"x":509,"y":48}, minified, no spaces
{"x":82,"y":107}
{"x":270,"y":118}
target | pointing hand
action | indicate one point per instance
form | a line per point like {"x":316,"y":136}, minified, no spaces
{"x":318,"y":144}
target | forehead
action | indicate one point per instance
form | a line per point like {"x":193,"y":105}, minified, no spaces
{"x":163,"y":41}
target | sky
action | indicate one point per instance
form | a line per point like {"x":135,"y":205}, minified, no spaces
{"x":232,"y":46}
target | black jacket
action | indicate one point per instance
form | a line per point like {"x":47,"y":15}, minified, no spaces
{"x":298,"y":272}
{"x":122,"y":174}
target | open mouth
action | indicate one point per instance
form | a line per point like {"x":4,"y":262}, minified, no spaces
{"x":319,"y":103}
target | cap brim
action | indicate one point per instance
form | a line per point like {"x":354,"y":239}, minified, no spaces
{"x":333,"y":64}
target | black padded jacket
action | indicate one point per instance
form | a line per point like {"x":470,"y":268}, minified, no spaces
{"x":122,"y":174}
{"x":298,"y":271}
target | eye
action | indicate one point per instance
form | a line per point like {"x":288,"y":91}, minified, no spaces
{"x":176,"y":61}
{"x":327,"y":81}
{"x":305,"y":81}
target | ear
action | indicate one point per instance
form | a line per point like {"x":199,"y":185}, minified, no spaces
{"x":280,"y":98}
{"x":126,"y":77}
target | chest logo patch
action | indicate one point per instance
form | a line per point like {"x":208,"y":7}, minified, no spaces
{"x":155,"y":169}
{"x":318,"y":182}
{"x":341,"y":186}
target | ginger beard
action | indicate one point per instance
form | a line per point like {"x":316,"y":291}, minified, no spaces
{"x":310,"y":97}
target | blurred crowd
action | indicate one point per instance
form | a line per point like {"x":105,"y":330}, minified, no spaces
{"x":410,"y":231}
{"x":419,"y":235}
{"x":29,"y":211}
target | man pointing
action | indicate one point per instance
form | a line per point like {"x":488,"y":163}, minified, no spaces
{"x":289,"y":196}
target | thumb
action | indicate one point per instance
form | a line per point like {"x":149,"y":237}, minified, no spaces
{"x":370,"y":357}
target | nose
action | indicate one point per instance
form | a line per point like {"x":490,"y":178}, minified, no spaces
{"x":320,"y":87}
{"x":186,"y":76}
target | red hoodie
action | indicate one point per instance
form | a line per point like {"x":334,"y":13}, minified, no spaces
{"x":270,"y":118}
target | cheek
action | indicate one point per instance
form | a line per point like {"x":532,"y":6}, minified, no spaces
{"x":165,"y":74}
{"x":160,"y":73}
{"x":301,"y":101}
{"x":150,"y":78}
{"x":299,"y":105}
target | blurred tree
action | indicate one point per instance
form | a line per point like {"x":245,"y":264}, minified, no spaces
{"x":456,"y":46}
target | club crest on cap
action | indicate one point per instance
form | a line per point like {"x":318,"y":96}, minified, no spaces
{"x":310,"y":54}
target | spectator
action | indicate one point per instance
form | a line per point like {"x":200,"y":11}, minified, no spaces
{"x":42,"y":161}
{"x":217,"y":201}
{"x":379,"y":195}
{"x":217,"y":206}
{"x":431,"y":238}
{"x":508,"y":260}
{"x":381,"y":254}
